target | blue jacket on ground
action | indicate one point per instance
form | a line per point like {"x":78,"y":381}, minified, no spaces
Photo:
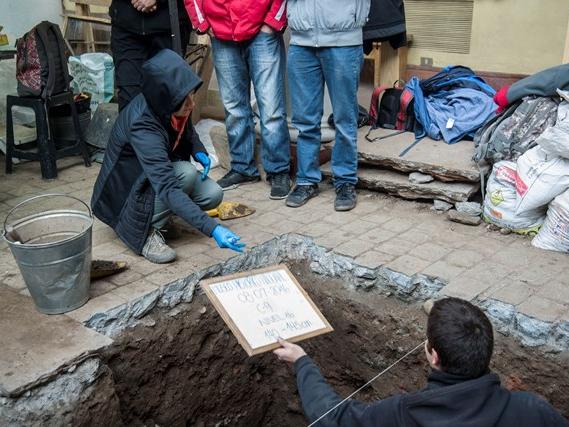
{"x":327,"y":23}
{"x":138,"y":158}
{"x":447,"y":401}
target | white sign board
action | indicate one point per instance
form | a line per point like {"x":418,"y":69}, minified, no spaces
{"x":260,"y":306}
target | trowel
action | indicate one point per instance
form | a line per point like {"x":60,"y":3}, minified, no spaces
{"x":103,"y":268}
{"x":231,"y":210}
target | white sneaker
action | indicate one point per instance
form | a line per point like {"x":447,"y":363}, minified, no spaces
{"x":156,"y":250}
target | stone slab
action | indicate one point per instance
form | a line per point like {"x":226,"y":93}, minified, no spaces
{"x":446,"y":162}
{"x":34,"y":345}
{"x":396,"y":183}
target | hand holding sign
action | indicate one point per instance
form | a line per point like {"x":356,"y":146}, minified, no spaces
{"x":262,"y":306}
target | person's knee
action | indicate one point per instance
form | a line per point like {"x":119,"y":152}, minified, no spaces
{"x":186,"y":174}
{"x":213,"y":198}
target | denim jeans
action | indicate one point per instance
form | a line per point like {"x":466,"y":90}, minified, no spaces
{"x":262,"y":61}
{"x":206,"y":194}
{"x":308,"y":69}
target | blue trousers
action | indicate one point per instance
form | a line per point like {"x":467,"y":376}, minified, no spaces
{"x":262,"y":61}
{"x":309,"y":68}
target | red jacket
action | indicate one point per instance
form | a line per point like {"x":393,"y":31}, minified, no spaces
{"x":236,"y":20}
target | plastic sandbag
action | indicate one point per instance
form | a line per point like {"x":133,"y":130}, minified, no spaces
{"x":93,"y":73}
{"x":202,"y":128}
{"x":500,"y":202}
{"x":541,"y":178}
{"x":555,"y":139}
{"x":554,"y":235}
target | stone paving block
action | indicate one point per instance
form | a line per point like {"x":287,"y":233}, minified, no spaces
{"x":513,"y":292}
{"x":109,"y":250}
{"x":443,"y":270}
{"x":125,"y":277}
{"x":373,"y":259}
{"x":429,"y":251}
{"x":353,"y":248}
{"x":14,"y":280}
{"x":99,"y":287}
{"x":316,"y":229}
{"x":99,"y":304}
{"x":145,"y":267}
{"x":395,"y":246}
{"x":269,"y":218}
{"x":416,"y":236}
{"x":489,"y":271}
{"x":378,"y":217}
{"x":334,"y":238}
{"x":450,"y":239}
{"x":556,"y":291}
{"x":358,"y":226}
{"x":135,"y":290}
{"x":192,"y":249}
{"x":514,"y":256}
{"x":464,"y":258}
{"x":35,"y":345}
{"x":408,"y":265}
{"x":377,"y":235}
{"x":398,"y":225}
{"x":465,"y":287}
{"x":483,"y":245}
{"x":284,"y":227}
{"x":341,"y":219}
{"x":542,"y":308}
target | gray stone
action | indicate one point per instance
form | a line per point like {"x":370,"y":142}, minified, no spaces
{"x":441,"y":205}
{"x":388,"y":181}
{"x":502,"y":314}
{"x":463,"y":218}
{"x":420,"y":178}
{"x":469,"y":208}
{"x":533,"y":332}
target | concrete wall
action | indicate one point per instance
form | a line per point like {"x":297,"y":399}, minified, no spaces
{"x":510,"y":36}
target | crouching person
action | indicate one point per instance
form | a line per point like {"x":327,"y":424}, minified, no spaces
{"x":147,"y":175}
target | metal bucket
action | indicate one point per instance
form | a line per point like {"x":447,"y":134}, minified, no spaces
{"x":53,"y":251}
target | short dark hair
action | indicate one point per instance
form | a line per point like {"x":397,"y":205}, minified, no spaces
{"x":462,"y":336}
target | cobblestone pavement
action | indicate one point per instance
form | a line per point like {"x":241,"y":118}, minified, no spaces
{"x":404,"y":236}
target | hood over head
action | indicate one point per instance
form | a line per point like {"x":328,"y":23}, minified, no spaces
{"x":167,"y":80}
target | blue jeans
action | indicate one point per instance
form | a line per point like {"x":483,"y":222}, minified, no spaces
{"x":262,"y":61}
{"x":206,"y":194}
{"x":308,"y":69}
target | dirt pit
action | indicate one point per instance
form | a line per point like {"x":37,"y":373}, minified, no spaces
{"x":188,"y":369}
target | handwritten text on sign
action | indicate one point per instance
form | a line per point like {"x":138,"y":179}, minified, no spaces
{"x":266,"y":306}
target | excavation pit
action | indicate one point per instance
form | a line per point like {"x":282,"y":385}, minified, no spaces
{"x":184,"y":367}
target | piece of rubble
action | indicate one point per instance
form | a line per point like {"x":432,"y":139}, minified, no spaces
{"x":469,"y":208}
{"x":441,"y":205}
{"x":420,"y":178}
{"x":463,"y":218}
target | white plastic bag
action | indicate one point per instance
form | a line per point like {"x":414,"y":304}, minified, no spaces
{"x":93,"y":73}
{"x":554,"y":235}
{"x":500,"y":202}
{"x":202,"y":128}
{"x":555,"y":139}
{"x":541,"y":178}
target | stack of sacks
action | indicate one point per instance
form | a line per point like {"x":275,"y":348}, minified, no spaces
{"x":554,"y":142}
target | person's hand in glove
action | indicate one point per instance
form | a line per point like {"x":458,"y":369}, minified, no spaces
{"x":205,"y":161}
{"x":225,"y":238}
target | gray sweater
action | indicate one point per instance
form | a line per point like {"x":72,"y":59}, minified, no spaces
{"x":327,"y":23}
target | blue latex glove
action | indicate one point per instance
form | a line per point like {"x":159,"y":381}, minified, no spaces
{"x":205,"y":161}
{"x":226,"y":238}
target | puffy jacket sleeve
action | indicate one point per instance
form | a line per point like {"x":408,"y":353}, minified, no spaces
{"x":318,"y":397}
{"x":150,"y":146}
{"x":197,"y":15}
{"x":276,"y":16}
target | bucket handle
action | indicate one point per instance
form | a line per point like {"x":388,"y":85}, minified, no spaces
{"x":31,"y":199}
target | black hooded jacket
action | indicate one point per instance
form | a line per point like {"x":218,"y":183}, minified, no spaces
{"x":124,"y":15}
{"x":447,"y":401}
{"x":137,"y":164}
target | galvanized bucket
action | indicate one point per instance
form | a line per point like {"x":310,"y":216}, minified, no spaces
{"x":53,"y":251}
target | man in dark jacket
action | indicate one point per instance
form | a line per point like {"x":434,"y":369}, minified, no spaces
{"x":146,"y":173}
{"x":140,"y":29}
{"x":461,"y":391}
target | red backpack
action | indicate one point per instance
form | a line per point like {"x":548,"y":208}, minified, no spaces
{"x":41,"y":62}
{"x":395,"y":110}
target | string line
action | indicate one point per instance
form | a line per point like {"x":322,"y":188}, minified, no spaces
{"x":368,"y":383}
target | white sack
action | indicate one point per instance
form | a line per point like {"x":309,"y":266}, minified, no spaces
{"x":500,"y":202}
{"x":554,"y":235}
{"x":93,"y":73}
{"x":541,"y":178}
{"x":555,"y":139}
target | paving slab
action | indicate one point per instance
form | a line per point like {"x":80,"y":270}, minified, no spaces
{"x":446,"y":162}
{"x":34,"y":345}
{"x":398,"y":184}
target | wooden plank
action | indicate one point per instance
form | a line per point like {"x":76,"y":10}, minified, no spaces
{"x":206,"y":286}
{"x":89,"y":19}
{"x":103,"y":3}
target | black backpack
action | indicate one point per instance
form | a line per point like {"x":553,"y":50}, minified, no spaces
{"x":41,"y":62}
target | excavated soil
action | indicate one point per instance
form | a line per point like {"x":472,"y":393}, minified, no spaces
{"x":188,"y":369}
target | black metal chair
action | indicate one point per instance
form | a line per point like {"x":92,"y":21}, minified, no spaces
{"x":47,"y":153}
